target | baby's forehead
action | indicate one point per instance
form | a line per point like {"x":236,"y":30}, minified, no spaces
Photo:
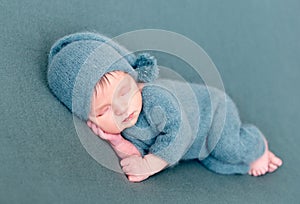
{"x":105,"y":82}
{"x":111,"y":76}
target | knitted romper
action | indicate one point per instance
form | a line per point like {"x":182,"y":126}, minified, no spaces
{"x":179,"y":123}
{"x":210,"y":131}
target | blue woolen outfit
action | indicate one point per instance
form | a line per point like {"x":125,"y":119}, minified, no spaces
{"x":177,"y":122}
{"x":158,"y":130}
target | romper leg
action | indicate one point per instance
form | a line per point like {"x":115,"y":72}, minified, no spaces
{"x":224,"y":168}
{"x":236,"y":145}
{"x":234,"y":156}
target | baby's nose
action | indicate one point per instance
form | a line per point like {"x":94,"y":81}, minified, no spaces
{"x":120,"y":108}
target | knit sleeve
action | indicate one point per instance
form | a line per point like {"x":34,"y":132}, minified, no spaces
{"x":165,"y":115}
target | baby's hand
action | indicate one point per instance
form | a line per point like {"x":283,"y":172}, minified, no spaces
{"x":100,"y":133}
{"x":138,"y":168}
{"x":122,"y":147}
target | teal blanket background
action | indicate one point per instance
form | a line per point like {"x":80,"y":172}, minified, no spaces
{"x":254,"y":44}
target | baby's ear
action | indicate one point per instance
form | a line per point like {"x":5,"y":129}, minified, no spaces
{"x":146,"y":67}
{"x":89,"y":123}
{"x":93,"y":127}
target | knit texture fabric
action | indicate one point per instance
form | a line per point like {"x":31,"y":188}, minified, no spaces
{"x":219,"y":140}
{"x":78,"y":61}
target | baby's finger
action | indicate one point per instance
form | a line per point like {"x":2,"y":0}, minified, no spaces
{"x":126,"y":170}
{"x":125,"y":162}
{"x":137,"y":178}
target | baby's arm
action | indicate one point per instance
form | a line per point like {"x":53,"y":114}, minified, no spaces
{"x":140,"y":168}
{"x":136,"y":167}
{"x":122,"y":147}
{"x":164,"y":115}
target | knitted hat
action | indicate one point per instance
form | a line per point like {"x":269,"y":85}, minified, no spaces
{"x":78,"y":61}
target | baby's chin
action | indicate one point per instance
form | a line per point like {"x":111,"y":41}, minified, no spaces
{"x":128,"y":125}
{"x":117,"y":130}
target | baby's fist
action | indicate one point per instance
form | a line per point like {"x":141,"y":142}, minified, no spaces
{"x":136,"y":166}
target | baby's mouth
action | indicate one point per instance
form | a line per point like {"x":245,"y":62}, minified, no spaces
{"x":130,"y":117}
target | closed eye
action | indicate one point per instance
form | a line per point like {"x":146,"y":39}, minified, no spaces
{"x":103,"y":111}
{"x":124,"y":90}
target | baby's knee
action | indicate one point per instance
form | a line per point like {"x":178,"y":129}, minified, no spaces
{"x":228,"y":152}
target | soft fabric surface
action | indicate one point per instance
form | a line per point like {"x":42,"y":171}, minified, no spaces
{"x":254,"y":44}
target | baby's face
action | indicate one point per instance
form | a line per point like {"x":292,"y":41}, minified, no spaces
{"x":116,"y":103}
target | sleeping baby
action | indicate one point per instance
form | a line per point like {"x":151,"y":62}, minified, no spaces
{"x":152,"y":123}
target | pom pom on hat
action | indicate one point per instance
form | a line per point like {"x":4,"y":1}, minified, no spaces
{"x":78,"y":61}
{"x":146,"y":67}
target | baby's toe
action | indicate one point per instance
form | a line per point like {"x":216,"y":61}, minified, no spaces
{"x":272,"y":167}
{"x":261,"y":172}
{"x":274,"y":159}
{"x":256,"y":173}
{"x":277,"y":161}
{"x":252,"y":172}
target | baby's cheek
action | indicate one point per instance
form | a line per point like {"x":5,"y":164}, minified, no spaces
{"x":93,"y":120}
{"x":110,"y":125}
{"x":112,"y":129}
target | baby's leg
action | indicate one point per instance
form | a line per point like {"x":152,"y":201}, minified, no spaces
{"x":222,"y":167}
{"x":250,"y":149}
{"x":239,"y":144}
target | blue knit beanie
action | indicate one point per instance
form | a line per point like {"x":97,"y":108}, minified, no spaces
{"x":78,"y":61}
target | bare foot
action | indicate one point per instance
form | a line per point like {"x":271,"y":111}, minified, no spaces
{"x":260,"y":166}
{"x":274,"y":162}
{"x":268,"y":162}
